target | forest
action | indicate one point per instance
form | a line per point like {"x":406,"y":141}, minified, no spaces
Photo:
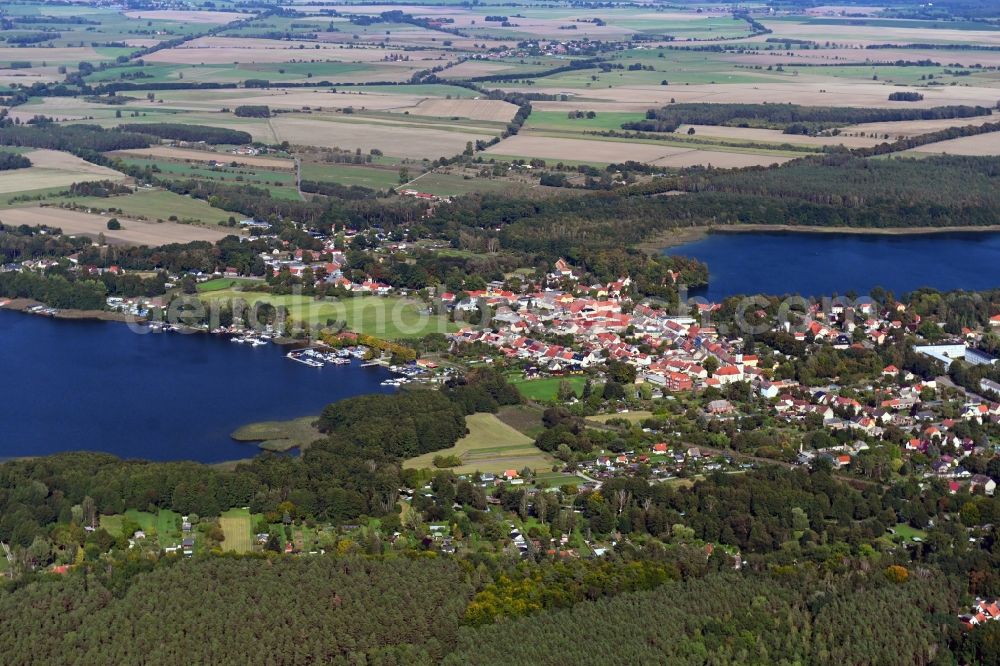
{"x":349,"y":610}
{"x":181,"y":132}
{"x":791,"y":118}
{"x":85,"y":141}
{"x":728,"y":619}
{"x":242,"y":611}
{"x":54,"y":290}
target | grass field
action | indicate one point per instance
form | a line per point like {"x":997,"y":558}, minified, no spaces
{"x":908,"y":533}
{"x":546,"y":388}
{"x":152,"y":204}
{"x":450,"y":185}
{"x":219,"y":284}
{"x":236,"y":526}
{"x":280,"y":435}
{"x":631,"y":417}
{"x":558,"y":120}
{"x":373,"y":177}
{"x":490,"y":446}
{"x":384,"y":317}
{"x":163,"y":524}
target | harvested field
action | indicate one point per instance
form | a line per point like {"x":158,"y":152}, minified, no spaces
{"x":28,"y":76}
{"x":984,"y":144}
{"x":134,"y":232}
{"x":397,"y":140}
{"x":775,"y":136}
{"x":52,"y":168}
{"x":319,"y":99}
{"x":226,"y":50}
{"x":236,"y":527}
{"x":596,"y":151}
{"x":216,"y":18}
{"x":57,"y":108}
{"x":896,"y":130}
{"x":476,"y":109}
{"x":53,"y":56}
{"x":820,"y":92}
{"x":187,"y":154}
{"x":719,"y":159}
{"x":865,"y":56}
{"x":867,"y":34}
{"x":56,"y":159}
{"x":471,"y":68}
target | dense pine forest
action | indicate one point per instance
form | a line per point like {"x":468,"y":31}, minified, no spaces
{"x":400,"y":611}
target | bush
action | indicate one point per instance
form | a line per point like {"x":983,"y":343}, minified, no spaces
{"x":252,"y":111}
{"x":442,"y":462}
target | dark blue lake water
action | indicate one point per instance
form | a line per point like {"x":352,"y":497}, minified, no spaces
{"x":98,"y":386}
{"x":824,"y":264}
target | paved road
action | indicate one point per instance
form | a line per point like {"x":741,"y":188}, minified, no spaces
{"x":944,"y":380}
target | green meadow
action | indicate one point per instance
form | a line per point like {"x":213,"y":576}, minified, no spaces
{"x":389,"y":318}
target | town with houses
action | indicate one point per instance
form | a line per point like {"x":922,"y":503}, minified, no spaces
{"x":562,"y":325}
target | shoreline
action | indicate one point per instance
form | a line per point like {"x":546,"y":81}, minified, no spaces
{"x":685,"y":235}
{"x":24,"y":304}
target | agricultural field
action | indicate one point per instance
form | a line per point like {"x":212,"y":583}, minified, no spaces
{"x":133,"y":232}
{"x":490,"y":446}
{"x":53,"y":168}
{"x":608,"y":151}
{"x":280,"y":183}
{"x":146,"y":205}
{"x":389,"y":318}
{"x":237,"y":527}
{"x":986,"y":144}
{"x":373,"y":177}
{"x":400,"y":139}
{"x":189,"y":155}
{"x":354,"y":80}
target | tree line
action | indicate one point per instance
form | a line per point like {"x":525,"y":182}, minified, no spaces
{"x":792,"y":118}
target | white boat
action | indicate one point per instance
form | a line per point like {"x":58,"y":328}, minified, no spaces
{"x":305,"y":361}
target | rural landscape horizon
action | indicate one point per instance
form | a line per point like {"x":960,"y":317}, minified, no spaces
{"x":500,"y":332}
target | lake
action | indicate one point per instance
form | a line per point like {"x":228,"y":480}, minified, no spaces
{"x":819,"y":264}
{"x":99,"y":386}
